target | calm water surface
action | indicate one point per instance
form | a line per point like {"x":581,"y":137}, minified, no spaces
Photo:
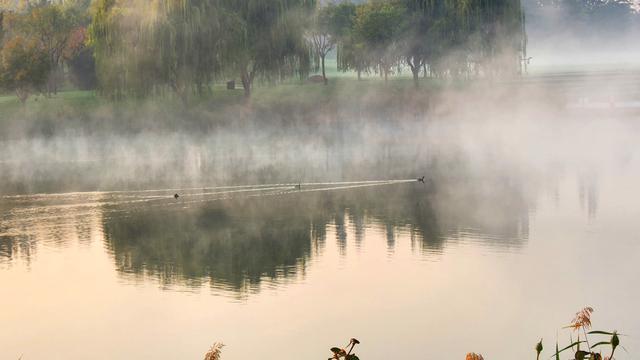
{"x":483,"y":260}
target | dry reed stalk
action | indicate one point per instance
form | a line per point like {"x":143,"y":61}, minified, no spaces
{"x":214,"y":352}
{"x":582,"y":319}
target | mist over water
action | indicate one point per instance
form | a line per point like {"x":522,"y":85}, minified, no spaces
{"x":572,"y":120}
{"x":317,"y":232}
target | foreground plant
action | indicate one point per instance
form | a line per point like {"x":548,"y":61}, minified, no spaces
{"x":341,"y":353}
{"x":614,"y":341}
{"x":474,"y":356}
{"x":582,"y":321}
{"x":214,"y":352}
{"x":539,"y":349}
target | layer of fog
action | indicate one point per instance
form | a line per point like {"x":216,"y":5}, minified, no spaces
{"x":570,"y":36}
{"x":488,"y":129}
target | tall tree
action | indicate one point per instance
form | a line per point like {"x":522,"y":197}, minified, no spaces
{"x":321,"y":37}
{"x":268,"y":39}
{"x":187,"y":37}
{"x":378,"y":25}
{"x":143,"y":48}
{"x":418,"y":37}
{"x":463,"y":38}
{"x":106,"y":40}
{"x":24,"y":67}
{"x":351,"y":53}
{"x":53,"y":26}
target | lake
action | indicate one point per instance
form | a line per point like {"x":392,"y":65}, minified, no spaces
{"x":522,"y":221}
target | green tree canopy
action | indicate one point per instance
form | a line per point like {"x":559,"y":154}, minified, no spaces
{"x":378,"y":26}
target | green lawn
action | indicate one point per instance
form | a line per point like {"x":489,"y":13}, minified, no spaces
{"x":293,"y":99}
{"x":294,"y":90}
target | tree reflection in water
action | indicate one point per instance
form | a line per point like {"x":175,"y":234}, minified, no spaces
{"x":238,"y":243}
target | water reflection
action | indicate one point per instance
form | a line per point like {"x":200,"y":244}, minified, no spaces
{"x":588,"y":194}
{"x":233,"y":244}
{"x":18,"y":246}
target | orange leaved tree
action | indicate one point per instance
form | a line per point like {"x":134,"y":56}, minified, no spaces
{"x":24,"y":67}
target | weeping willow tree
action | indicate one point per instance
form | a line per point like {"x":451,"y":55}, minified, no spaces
{"x":147,"y":48}
{"x":188,"y":39}
{"x":268,"y":40}
{"x":495,"y":33}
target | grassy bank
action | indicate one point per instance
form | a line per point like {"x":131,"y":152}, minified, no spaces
{"x":289,"y":102}
{"x":302,"y":93}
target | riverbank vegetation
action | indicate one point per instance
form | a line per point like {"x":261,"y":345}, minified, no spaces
{"x":185,"y":49}
{"x":582,"y":321}
{"x":181,"y":48}
{"x":293,"y":102}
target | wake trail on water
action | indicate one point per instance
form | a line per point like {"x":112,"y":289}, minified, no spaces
{"x":204,"y":190}
{"x":49,"y":215}
{"x":260,"y":192}
{"x":295,"y":190}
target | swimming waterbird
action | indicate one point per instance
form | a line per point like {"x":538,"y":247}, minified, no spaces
{"x":421,"y":179}
{"x":175,"y":196}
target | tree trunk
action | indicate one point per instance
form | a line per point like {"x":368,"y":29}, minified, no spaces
{"x":324,"y":74}
{"x":247,"y":80}
{"x":23,"y":95}
{"x":415,"y":67}
{"x":52,"y":83}
{"x":181,"y":92}
{"x":359,"y":74}
{"x":416,"y":76}
{"x":55,"y":79}
{"x":385,"y":71}
{"x":184,"y":98}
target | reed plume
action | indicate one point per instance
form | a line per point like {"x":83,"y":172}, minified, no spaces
{"x":474,"y":356}
{"x":582,"y":319}
{"x":214,"y":352}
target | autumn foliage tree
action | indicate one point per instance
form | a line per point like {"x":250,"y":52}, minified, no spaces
{"x":24,"y":67}
{"x":56,"y":28}
{"x":42,"y":29}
